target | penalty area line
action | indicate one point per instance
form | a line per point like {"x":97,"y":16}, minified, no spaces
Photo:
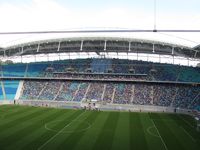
{"x":59,"y":132}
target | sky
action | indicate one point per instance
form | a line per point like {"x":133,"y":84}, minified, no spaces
{"x":39,"y":15}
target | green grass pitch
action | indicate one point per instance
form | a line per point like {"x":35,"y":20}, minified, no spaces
{"x":34,"y":128}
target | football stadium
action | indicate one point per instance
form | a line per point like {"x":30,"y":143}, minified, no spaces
{"x":95,"y":90}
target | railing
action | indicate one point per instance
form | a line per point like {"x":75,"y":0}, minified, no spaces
{"x":99,"y":80}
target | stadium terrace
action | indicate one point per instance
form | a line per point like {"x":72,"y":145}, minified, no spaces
{"x":107,"y":90}
{"x":99,"y":77}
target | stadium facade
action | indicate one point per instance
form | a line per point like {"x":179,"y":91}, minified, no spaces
{"x":102,"y":72}
{"x":127,"y":48}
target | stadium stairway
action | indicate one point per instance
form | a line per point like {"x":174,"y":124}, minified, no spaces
{"x":19,"y":90}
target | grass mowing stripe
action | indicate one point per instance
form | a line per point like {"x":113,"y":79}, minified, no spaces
{"x":185,"y":121}
{"x":90,"y":136}
{"x":41,"y":135}
{"x":8,"y":108}
{"x":189,"y":119}
{"x":19,"y":122}
{"x":165,"y":127}
{"x":11,"y":122}
{"x":73,"y":138}
{"x":13,"y":115}
{"x":192,"y":131}
{"x":106,"y":136}
{"x":168,"y":136}
{"x":137,"y":137}
{"x":3,"y":106}
{"x":188,"y":134}
{"x":7,"y":112}
{"x":25,"y":129}
{"x":121,"y":139}
{"x":73,"y":124}
{"x":43,"y":145}
{"x":21,"y":117}
{"x":159,"y":135}
{"x":31,"y":134}
{"x":182,"y":137}
{"x":28,"y":131}
{"x":152,"y":137}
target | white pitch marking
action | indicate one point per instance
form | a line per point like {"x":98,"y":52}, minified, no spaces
{"x":186,"y":121}
{"x":189,"y":135}
{"x":160,"y":135}
{"x":59,"y":131}
{"x":152,"y":134}
{"x":70,"y":131}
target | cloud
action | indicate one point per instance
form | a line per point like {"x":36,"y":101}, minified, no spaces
{"x":51,"y":15}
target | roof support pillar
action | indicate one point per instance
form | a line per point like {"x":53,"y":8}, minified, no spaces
{"x":3,"y":90}
{"x":81,"y":48}
{"x":153,"y":48}
{"x":58,"y":47}
{"x":38,"y":48}
{"x":173,"y":50}
{"x":195,"y":54}
{"x":105,"y":44}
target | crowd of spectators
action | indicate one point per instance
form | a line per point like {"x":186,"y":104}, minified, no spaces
{"x":163,"y":95}
{"x":100,"y":76}
{"x":154,"y":71}
{"x":186,"y":96}
{"x":143,"y":94}
{"x":81,"y":91}
{"x":67,"y":91}
{"x":31,"y":89}
{"x":182,"y":96}
{"x":109,"y":92}
{"x":50,"y":90}
{"x":95,"y":91}
{"x":123,"y":93}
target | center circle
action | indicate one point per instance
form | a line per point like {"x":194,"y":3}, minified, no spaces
{"x":50,"y":126}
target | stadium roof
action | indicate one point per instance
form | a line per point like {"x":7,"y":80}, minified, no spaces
{"x":115,"y":14}
{"x":98,"y":45}
{"x":197,"y":48}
